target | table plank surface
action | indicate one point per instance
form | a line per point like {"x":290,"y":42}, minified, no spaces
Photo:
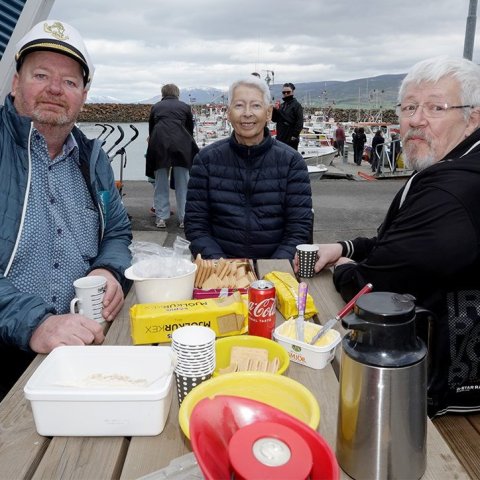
{"x":25,"y":454}
{"x":442,"y":463}
{"x":463,"y":437}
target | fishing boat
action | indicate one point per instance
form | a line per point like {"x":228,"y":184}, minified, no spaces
{"x":317,"y":149}
{"x":316,"y":172}
{"x":318,"y":155}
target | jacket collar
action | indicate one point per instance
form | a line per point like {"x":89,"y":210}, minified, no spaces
{"x":467,"y":146}
{"x":17,"y":125}
{"x":254,"y":150}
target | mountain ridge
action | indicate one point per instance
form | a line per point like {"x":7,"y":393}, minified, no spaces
{"x":379,"y":92}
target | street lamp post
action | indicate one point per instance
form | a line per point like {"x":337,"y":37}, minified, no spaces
{"x":470,"y":30}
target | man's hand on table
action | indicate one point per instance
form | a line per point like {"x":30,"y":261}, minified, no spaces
{"x":328,"y":255}
{"x":68,"y":329}
{"x":76,"y":329}
{"x":113,"y":299}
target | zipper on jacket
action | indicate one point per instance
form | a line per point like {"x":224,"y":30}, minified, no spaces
{"x":248,"y":191}
{"x":25,"y":202}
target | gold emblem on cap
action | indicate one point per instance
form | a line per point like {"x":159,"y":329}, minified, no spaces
{"x":56,"y":29}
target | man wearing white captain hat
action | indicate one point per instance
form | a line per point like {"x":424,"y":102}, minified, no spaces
{"x":61,"y":216}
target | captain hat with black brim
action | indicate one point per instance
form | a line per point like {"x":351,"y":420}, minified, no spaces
{"x":59,"y":37}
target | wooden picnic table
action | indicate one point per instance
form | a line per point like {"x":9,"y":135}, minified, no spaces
{"x":26,"y":455}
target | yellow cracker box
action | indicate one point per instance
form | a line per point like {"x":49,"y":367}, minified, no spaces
{"x":286,"y":289}
{"x":155,"y":322}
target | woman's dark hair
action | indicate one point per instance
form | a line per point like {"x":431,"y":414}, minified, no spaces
{"x":289,"y":85}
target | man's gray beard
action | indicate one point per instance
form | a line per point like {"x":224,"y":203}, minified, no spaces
{"x":53,"y":120}
{"x":419,"y":163}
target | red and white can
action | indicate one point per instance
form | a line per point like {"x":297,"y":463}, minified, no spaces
{"x":261,"y":309}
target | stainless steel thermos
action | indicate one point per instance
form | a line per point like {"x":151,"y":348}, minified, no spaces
{"x":382,"y":418}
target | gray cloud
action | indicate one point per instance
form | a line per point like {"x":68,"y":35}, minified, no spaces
{"x":138,"y":45}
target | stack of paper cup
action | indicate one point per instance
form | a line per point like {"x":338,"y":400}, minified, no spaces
{"x":195,"y":350}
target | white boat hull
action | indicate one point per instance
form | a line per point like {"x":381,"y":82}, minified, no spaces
{"x":324,"y":157}
{"x":316,"y":172}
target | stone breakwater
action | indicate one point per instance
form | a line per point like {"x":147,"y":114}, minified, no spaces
{"x":136,"y":112}
{"x":114,"y":113}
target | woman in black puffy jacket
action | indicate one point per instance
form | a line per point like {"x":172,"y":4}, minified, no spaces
{"x":249,"y":195}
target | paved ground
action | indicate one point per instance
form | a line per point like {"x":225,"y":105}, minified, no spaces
{"x":346,"y":205}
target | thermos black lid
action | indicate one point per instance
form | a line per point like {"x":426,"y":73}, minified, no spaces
{"x":385,"y":307}
{"x":383,"y":331}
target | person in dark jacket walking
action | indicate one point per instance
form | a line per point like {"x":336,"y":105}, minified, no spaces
{"x":358,"y":142}
{"x":248,"y":195}
{"x":61,"y":216}
{"x":377,"y":145}
{"x":289,"y":117}
{"x":340,"y":139}
{"x":170,"y":145}
{"x":428,"y":245}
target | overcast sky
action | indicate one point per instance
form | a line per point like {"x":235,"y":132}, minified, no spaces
{"x":139,"y":45}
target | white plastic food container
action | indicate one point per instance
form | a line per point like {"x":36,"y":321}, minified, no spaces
{"x":102,"y":391}
{"x":312,"y":356}
{"x":176,"y":284}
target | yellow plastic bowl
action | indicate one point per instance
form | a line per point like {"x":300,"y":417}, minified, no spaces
{"x":223,"y":350}
{"x":278,"y":391}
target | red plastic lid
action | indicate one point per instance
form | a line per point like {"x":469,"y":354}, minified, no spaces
{"x":269,"y":451}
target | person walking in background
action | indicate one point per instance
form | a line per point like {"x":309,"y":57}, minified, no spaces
{"x":249,"y":195}
{"x":395,"y":149}
{"x":358,"y":139}
{"x":289,"y":117}
{"x":340,"y":139}
{"x":377,"y":143}
{"x":61,"y":215}
{"x":170,"y":146}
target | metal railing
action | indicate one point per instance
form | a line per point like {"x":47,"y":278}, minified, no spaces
{"x":388,"y":153}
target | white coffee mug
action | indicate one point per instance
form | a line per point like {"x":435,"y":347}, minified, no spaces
{"x":88,"y":301}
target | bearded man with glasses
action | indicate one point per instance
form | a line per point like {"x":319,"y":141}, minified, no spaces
{"x":289,"y":117}
{"x":429,"y":243}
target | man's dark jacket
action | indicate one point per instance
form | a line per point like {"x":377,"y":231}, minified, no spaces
{"x":171,"y":142}
{"x":252,"y":202}
{"x":429,"y":246}
{"x":289,"y":118}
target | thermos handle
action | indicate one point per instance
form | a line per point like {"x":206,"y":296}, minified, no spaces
{"x":427,"y":330}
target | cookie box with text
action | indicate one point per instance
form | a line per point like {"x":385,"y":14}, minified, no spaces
{"x":155,"y":322}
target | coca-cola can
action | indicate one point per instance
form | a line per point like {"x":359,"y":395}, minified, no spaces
{"x":261,"y":309}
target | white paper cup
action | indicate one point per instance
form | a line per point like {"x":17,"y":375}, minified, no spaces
{"x":307,"y":257}
{"x":89,"y":293}
{"x":195,"y":350}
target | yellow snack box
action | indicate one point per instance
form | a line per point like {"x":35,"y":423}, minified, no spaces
{"x":155,"y":322}
{"x":286,"y":287}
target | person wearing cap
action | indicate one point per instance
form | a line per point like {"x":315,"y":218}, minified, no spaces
{"x":61,"y":217}
{"x":289,"y":117}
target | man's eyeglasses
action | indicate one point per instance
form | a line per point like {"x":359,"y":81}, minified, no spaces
{"x":286,"y":92}
{"x":430,"y":109}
